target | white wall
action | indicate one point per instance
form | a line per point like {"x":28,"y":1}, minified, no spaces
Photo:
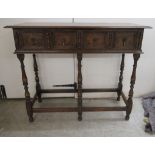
{"x":99,"y":70}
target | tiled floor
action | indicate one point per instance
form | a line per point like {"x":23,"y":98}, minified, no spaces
{"x":14,"y":122}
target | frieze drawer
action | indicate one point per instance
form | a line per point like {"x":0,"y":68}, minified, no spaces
{"x":87,"y":41}
{"x":32,"y":40}
{"x":64,"y":40}
{"x":125,"y":40}
{"x":95,"y":40}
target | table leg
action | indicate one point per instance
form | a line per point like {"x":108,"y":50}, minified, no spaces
{"x":79,"y":87}
{"x":25,"y":83}
{"x":38,"y":87}
{"x":132,"y":83}
{"x":120,"y":85}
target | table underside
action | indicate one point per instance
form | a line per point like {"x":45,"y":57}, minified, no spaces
{"x":78,"y":51}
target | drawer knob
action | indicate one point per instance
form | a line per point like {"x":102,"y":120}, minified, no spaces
{"x":63,"y":42}
{"x":124,"y":42}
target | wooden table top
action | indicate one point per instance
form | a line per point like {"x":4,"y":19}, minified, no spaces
{"x":77,"y":25}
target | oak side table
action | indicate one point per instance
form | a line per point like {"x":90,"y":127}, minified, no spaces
{"x":79,"y":38}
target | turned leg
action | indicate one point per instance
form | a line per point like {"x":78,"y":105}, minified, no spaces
{"x":79,"y":87}
{"x":38,"y":87}
{"x":120,"y":85}
{"x":25,"y":83}
{"x":133,"y":79}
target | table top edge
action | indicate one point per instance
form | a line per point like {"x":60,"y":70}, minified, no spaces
{"x":77,"y":25}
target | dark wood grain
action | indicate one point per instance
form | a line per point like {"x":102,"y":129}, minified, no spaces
{"x":84,"y":90}
{"x":65,"y":40}
{"x":132,"y":83}
{"x":38,"y":87}
{"x":76,"y":109}
{"x":30,"y":40}
{"x":124,"y":98}
{"x":68,"y":51}
{"x":125,"y":40}
{"x":95,"y":40}
{"x":120,"y":85}
{"x":79,"y":86}
{"x":25,"y":83}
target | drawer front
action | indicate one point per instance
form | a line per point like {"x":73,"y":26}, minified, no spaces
{"x":35,"y":40}
{"x":95,"y":40}
{"x":125,"y":40}
{"x":65,"y":40}
{"x":52,"y":40}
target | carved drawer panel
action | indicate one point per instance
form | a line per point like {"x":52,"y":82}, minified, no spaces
{"x":65,"y":40}
{"x":95,"y":40}
{"x":33,"y":40}
{"x":125,"y":40}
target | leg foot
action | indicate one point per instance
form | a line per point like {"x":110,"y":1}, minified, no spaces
{"x":39,"y":99}
{"x":31,"y":119}
{"x":118,"y":98}
{"x":127,"y":117}
{"x":79,"y":117}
